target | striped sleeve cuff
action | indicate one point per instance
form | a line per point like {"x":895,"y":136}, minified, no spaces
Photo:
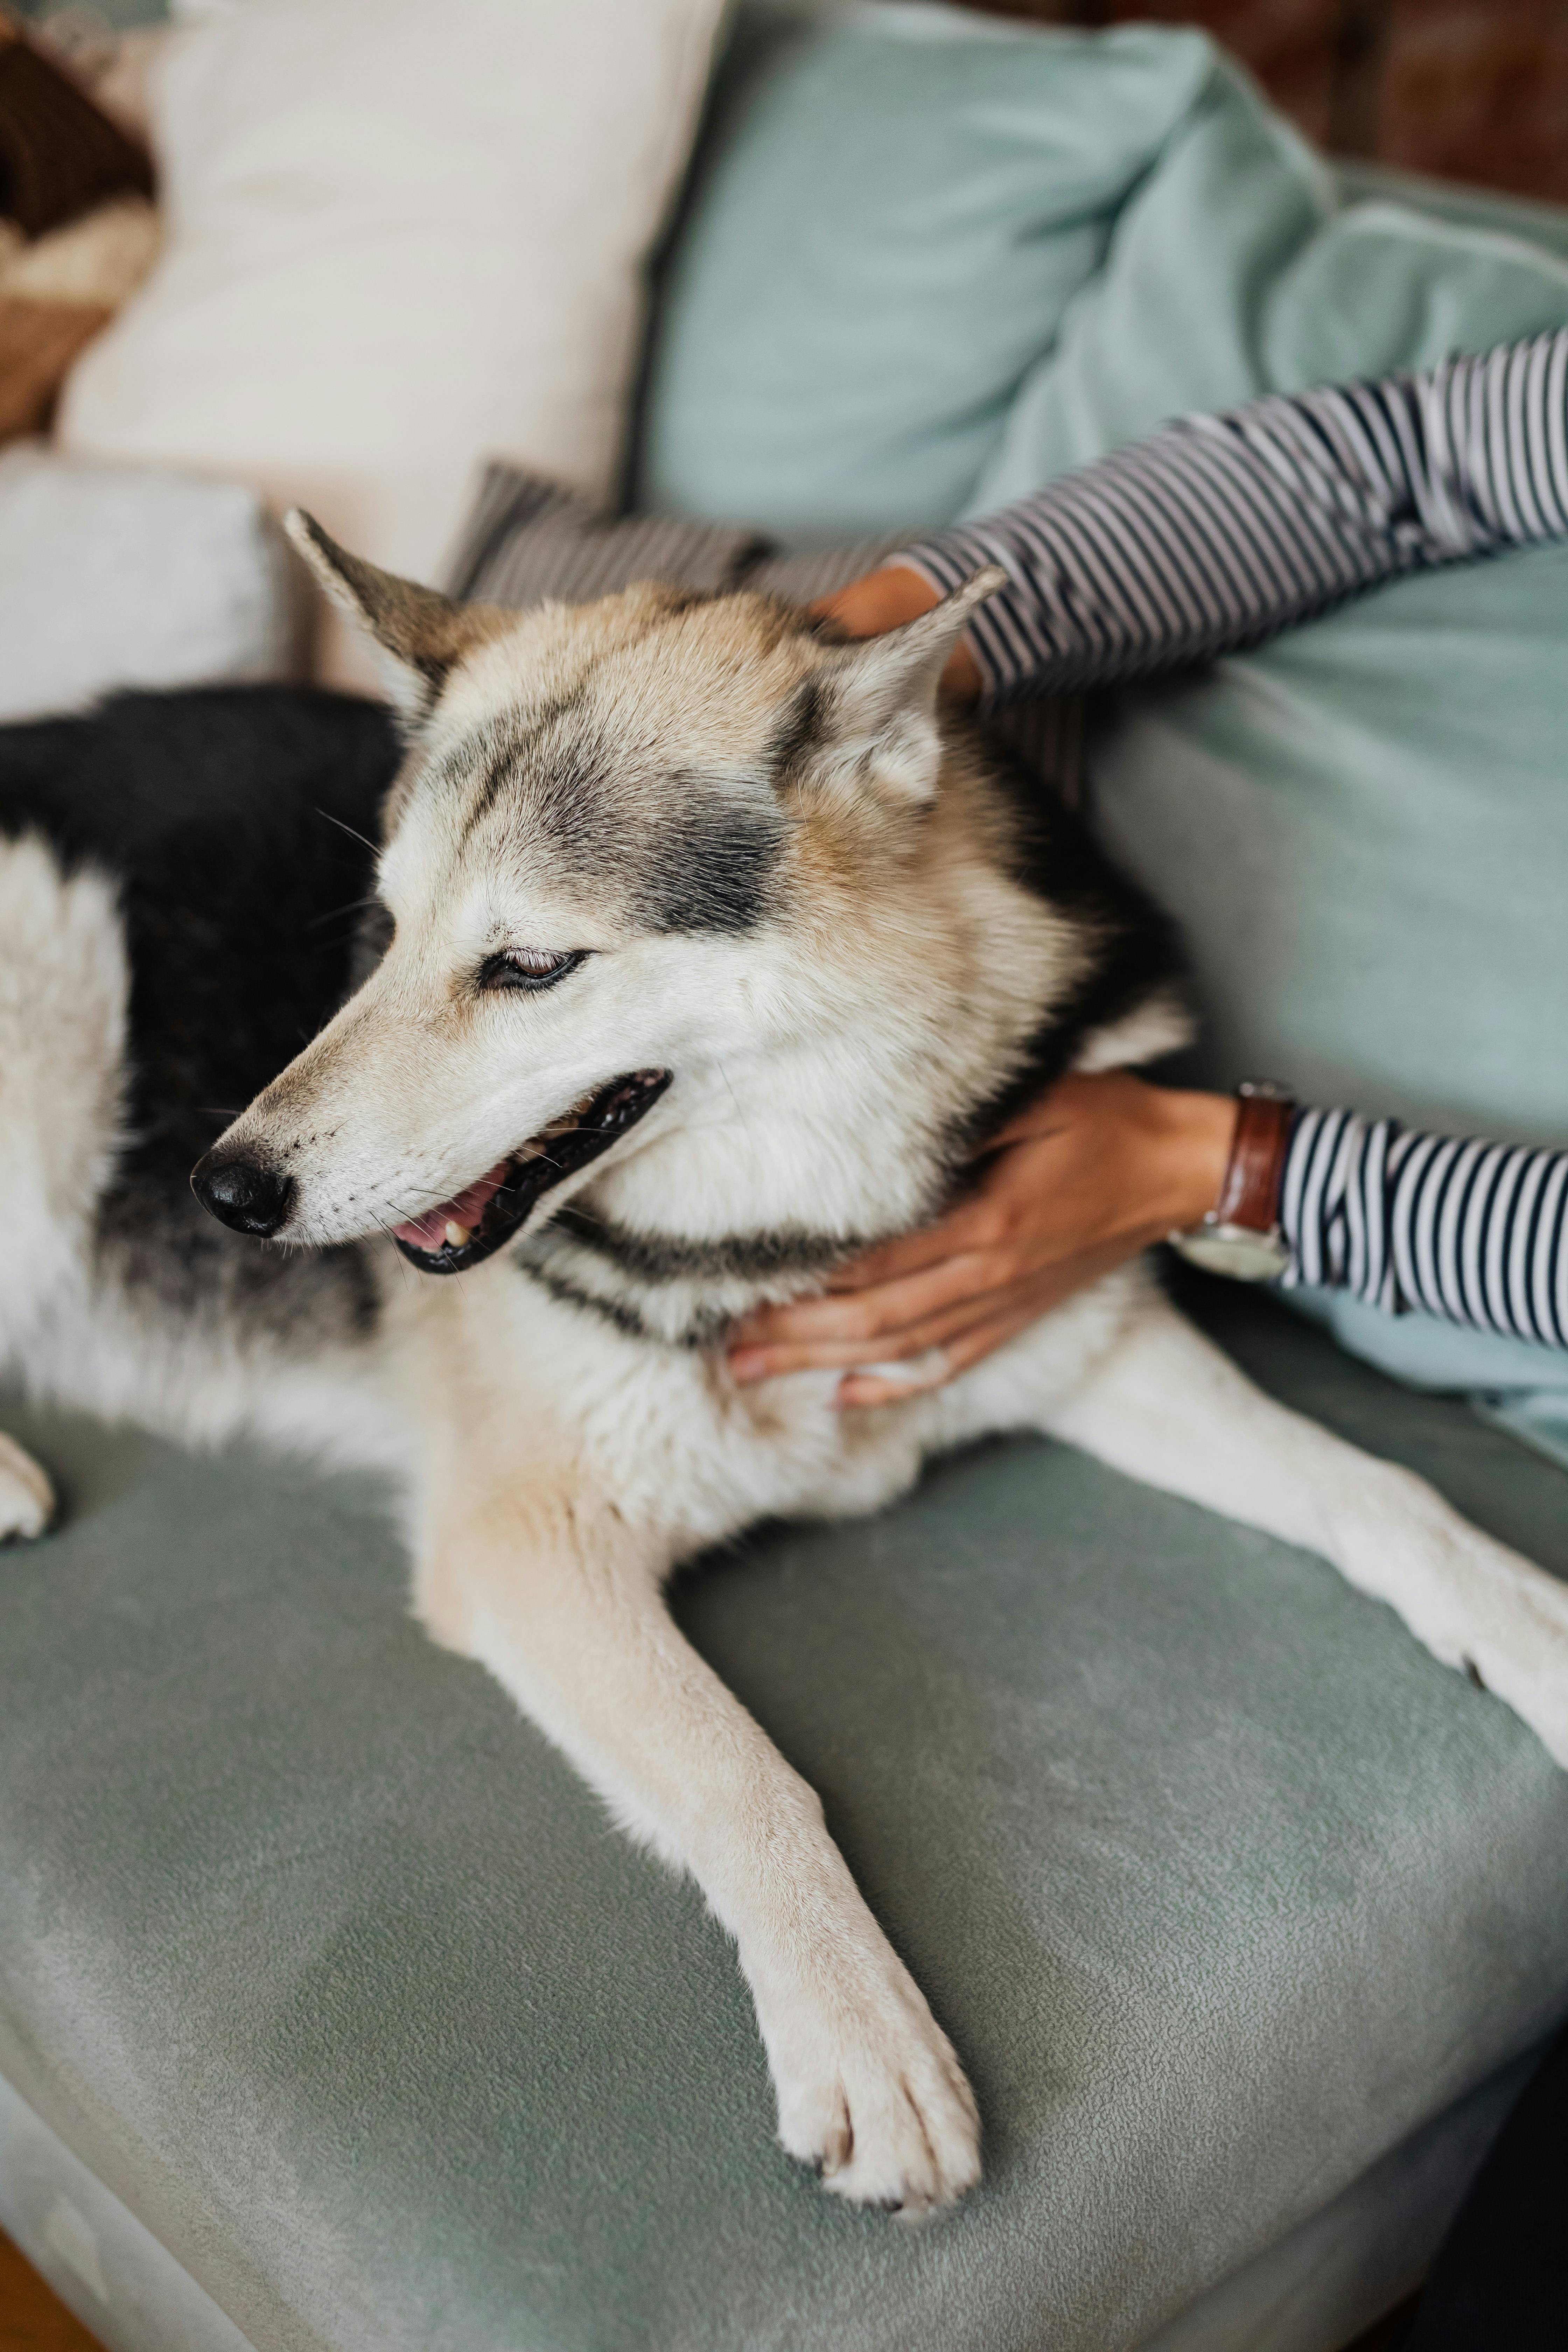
{"x":1472,"y":1232}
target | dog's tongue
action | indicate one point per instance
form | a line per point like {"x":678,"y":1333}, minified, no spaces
{"x":429,"y":1232}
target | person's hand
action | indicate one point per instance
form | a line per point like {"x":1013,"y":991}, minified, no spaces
{"x":881,"y":600}
{"x":1086,"y":1177}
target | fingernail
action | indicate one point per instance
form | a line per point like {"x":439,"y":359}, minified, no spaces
{"x":748,"y":1364}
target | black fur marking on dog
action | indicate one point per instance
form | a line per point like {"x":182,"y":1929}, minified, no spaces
{"x":676,"y":1257}
{"x":705,"y":1330}
{"x":685,"y":851}
{"x":1137,"y":948}
{"x":711,"y":866}
{"x":799,"y":729}
{"x":372,"y":937}
{"x":229,"y":818}
{"x":508,"y":761}
{"x":156,"y":1240}
{"x":614,"y":1311}
{"x":689,"y":852}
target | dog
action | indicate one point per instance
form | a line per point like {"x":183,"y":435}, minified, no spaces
{"x":703,"y":950}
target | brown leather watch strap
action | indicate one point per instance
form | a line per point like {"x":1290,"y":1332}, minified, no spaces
{"x":1249,"y":1195}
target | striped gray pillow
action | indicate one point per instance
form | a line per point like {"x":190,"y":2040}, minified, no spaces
{"x":526,"y":539}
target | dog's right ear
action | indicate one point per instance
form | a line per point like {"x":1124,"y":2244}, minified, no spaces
{"x":423,"y":631}
{"x":876,"y":697}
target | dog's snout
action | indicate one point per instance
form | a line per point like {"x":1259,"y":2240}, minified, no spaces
{"x":243,"y":1194}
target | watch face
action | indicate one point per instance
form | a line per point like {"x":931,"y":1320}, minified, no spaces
{"x":1235,"y":1252}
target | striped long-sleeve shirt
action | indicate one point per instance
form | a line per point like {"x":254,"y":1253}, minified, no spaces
{"x":1476,"y":1232}
{"x":1216,"y":533}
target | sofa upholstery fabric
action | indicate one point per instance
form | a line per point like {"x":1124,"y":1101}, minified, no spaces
{"x":1316,"y":2288}
{"x":326,"y":1964}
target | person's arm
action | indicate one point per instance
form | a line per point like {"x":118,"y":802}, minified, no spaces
{"x":1218,"y":532}
{"x":1475,"y":1233}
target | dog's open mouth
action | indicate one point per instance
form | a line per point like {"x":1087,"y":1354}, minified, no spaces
{"x":464,"y":1231}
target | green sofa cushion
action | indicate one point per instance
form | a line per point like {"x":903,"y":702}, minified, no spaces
{"x":326,"y":1964}
{"x":891,"y":214}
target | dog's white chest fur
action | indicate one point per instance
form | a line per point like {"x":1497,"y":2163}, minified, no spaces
{"x":665,"y":1430}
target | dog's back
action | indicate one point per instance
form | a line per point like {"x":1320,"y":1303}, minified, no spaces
{"x":181,"y":876}
{"x":234,"y":825}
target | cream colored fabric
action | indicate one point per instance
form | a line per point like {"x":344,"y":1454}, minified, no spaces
{"x":401,"y":239}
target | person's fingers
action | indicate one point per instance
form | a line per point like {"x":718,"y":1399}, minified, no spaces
{"x":877,"y":1319}
{"x":888,"y":1344}
{"x":997,"y":1319}
{"x":974,"y":1226}
{"x":877,"y":601}
{"x":1038,"y":1225}
{"x":986,"y":1217}
{"x":867,"y":1389}
{"x":965,"y":1227}
{"x":1079,"y":1095}
{"x":929,"y":1369}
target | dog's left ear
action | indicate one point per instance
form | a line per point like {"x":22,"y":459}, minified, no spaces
{"x":425,"y":632}
{"x":884,"y":693}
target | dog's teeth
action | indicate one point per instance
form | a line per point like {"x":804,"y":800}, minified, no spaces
{"x":458,"y":1237}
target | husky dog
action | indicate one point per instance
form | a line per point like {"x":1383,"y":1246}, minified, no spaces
{"x":711,"y":949}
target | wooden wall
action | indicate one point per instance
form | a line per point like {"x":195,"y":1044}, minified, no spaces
{"x":1465,"y":89}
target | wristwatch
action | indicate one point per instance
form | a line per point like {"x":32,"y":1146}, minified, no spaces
{"x":1240,"y":1236}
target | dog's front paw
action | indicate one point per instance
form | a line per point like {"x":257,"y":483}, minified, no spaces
{"x":870,"y":2093}
{"x":27,"y":1498}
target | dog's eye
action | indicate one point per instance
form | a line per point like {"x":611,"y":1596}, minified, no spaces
{"x":528,"y":967}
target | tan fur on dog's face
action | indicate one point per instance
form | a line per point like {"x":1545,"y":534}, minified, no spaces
{"x":700,"y":800}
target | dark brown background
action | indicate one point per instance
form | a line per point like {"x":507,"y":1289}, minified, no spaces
{"x":1465,"y":89}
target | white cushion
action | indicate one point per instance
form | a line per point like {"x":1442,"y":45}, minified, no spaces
{"x":119,"y":576}
{"x":403,"y":236}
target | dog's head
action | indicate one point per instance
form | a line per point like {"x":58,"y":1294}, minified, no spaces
{"x":615,"y":825}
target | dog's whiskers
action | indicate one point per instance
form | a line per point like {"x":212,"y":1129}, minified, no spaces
{"x":353,"y":907}
{"x":349,"y":829}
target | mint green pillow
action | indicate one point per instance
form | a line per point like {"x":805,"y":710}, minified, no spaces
{"x":1209,"y":297}
{"x":1364,"y":829}
{"x":891,"y":214}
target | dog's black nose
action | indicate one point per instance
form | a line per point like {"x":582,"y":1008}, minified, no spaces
{"x":237,"y":1193}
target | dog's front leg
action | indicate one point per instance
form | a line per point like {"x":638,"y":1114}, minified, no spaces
{"x":555,"y":1592}
{"x":1167,"y":1407}
{"x":27,"y":1498}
